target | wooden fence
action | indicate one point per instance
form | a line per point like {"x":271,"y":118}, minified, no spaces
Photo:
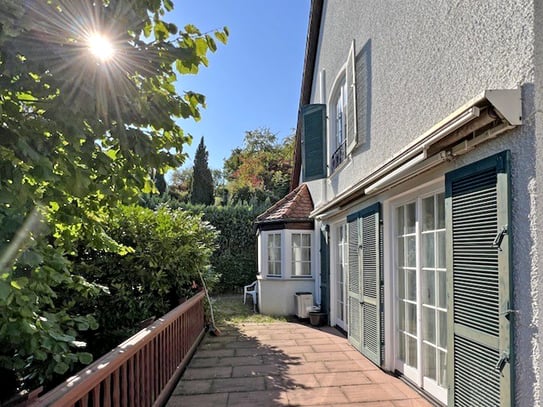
{"x":143,"y":370}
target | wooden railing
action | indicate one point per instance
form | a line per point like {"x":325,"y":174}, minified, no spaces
{"x":143,"y":370}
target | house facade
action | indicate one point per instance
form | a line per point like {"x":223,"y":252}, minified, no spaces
{"x":420,"y":140}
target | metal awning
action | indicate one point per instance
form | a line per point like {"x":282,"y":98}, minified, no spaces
{"x":500,"y":107}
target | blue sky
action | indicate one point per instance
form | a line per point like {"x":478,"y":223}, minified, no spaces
{"x":253,"y":81}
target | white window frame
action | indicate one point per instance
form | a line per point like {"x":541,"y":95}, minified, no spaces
{"x":287,"y":271}
{"x":266,"y":259}
{"x":338,"y":97}
{"x":433,"y":187}
{"x":292,"y":260}
{"x":334,"y":262}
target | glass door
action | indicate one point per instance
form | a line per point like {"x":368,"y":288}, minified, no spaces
{"x":421,"y":298}
{"x":341,"y":268}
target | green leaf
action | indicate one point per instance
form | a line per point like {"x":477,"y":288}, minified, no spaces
{"x":4,"y":290}
{"x":19,"y":283}
{"x":85,"y":357}
{"x":60,"y":368}
{"x":222,"y":37}
{"x":40,"y":355}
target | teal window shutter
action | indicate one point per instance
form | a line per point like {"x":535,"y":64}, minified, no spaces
{"x":477,"y":202}
{"x":313,"y":142}
{"x":366,"y":283}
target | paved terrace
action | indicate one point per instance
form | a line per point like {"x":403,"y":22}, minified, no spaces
{"x":286,"y":364}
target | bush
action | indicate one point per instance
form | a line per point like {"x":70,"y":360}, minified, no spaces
{"x":235,"y":258}
{"x":169,"y":248}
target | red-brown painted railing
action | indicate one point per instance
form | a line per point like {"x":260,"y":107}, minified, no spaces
{"x":143,"y":370}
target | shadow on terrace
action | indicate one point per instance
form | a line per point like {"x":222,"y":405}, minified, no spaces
{"x":259,"y":362}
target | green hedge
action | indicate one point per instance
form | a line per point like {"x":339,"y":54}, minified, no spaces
{"x":235,"y":258}
{"x":168,"y":250}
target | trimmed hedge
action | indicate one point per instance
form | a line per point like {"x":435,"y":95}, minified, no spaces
{"x":235,"y":258}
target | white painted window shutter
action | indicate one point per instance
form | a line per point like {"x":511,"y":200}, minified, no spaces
{"x":352,"y":138}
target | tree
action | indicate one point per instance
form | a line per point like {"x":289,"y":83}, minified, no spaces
{"x":202,"y":179}
{"x":181,"y":184}
{"x":260,"y":170}
{"x":78,"y":132}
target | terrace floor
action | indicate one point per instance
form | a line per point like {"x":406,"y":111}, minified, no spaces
{"x":286,"y":364}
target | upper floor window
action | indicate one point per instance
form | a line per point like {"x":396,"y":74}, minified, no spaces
{"x":301,"y":255}
{"x":339,"y":126}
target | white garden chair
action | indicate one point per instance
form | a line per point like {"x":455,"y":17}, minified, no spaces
{"x":250,"y":290}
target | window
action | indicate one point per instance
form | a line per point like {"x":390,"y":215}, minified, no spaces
{"x":341,"y":272}
{"x":301,"y":255}
{"x":421,"y":297}
{"x":343,"y":112}
{"x":274,"y":255}
{"x":339,"y":126}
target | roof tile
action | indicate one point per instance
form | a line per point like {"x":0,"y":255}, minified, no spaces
{"x":298,"y":204}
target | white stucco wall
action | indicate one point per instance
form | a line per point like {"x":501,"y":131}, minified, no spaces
{"x":428,"y":59}
{"x":277,"y":297}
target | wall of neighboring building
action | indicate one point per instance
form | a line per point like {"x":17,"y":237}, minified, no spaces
{"x":428,"y":59}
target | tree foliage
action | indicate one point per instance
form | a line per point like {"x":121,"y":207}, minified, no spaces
{"x":181,"y":184}
{"x":202,"y":179}
{"x":260,"y":170}
{"x":78,"y":135}
{"x":169,"y":250}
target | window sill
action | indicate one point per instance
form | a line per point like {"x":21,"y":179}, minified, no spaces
{"x":342,"y":165}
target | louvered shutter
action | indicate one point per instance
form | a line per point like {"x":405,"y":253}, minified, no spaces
{"x":366,"y":282}
{"x":313,"y":142}
{"x":353,"y":284}
{"x":363,"y":93}
{"x":478,"y":257}
{"x":350,"y":76}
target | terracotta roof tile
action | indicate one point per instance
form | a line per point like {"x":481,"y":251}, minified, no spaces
{"x":296,"y":205}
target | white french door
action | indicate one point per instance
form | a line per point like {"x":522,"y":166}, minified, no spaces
{"x":420,"y":292}
{"x":340,"y":276}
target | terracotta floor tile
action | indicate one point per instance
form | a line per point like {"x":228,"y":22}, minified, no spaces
{"x":326,"y":356}
{"x":342,"y":366}
{"x":258,"y":399}
{"x":373,"y":392}
{"x":313,"y":341}
{"x":208,"y":353}
{"x":329,"y":347}
{"x":186,"y":387}
{"x":201,"y":400}
{"x":239,"y":361}
{"x":412,"y":403}
{"x":308,"y":367}
{"x":303,"y":381}
{"x":208,"y":372}
{"x":311,"y":397}
{"x":341,"y":379}
{"x":259,"y":370}
{"x":235,"y":384}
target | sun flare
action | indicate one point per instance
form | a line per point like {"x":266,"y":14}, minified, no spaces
{"x":101,"y":47}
